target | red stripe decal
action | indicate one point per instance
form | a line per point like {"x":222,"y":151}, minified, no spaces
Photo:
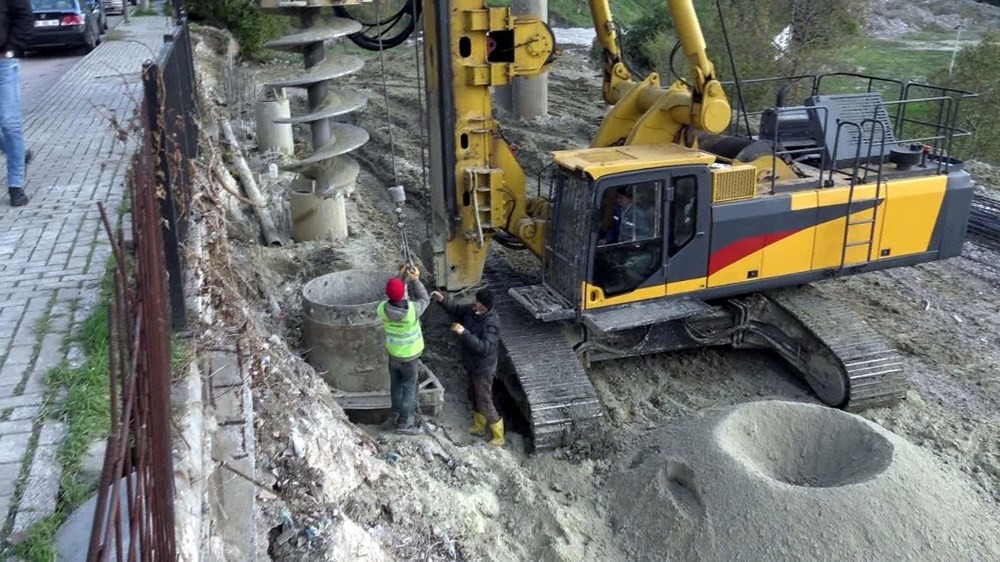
{"x":743,"y":248}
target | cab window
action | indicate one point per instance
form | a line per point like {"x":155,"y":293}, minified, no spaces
{"x":684,"y":212}
{"x":630,"y":238}
{"x":630,"y":213}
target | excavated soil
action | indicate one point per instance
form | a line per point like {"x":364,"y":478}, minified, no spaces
{"x":804,"y":446}
{"x":785,"y":481}
{"x":445,"y":495}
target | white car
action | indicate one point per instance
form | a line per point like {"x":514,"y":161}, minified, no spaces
{"x":113,"y":6}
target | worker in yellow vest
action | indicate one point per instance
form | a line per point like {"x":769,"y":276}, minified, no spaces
{"x":405,"y":342}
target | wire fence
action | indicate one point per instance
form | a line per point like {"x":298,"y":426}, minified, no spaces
{"x":134,"y":515}
{"x":984,"y":221}
{"x":171,"y":106}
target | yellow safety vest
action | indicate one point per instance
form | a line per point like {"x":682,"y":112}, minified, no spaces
{"x":403,"y":339}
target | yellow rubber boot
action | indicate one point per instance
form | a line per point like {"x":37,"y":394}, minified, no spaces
{"x":478,"y":424}
{"x":497,"y":428}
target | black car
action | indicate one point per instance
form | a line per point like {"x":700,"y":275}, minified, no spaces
{"x":67,"y":23}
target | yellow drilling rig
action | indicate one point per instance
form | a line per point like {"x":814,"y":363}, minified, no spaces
{"x":669,"y":233}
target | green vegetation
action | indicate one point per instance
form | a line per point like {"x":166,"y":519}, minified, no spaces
{"x":249,"y":25}
{"x":893,"y":59}
{"x":977,"y":69}
{"x":819,"y":27}
{"x":143,"y":12}
{"x":40,"y":545}
{"x":626,"y":12}
{"x":576,"y":13}
{"x":86,"y":413}
{"x":86,"y":408}
{"x":827,"y":38}
{"x":36,"y":544}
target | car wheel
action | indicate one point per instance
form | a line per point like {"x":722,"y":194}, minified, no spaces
{"x":89,"y":44}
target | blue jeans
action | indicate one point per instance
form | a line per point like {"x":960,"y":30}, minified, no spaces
{"x":403,"y":390}
{"x":11,"y":121}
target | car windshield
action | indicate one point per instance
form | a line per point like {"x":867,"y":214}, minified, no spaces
{"x":53,"y":5}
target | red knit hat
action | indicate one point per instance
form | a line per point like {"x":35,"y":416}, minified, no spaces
{"x":395,"y":289}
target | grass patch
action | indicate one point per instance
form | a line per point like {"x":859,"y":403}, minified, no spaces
{"x":115,"y":35}
{"x":40,"y":544}
{"x":577,"y":13}
{"x":892,"y":59}
{"x":946,"y":36}
{"x":86,"y":413}
{"x":181,"y":355}
{"x":44,"y":325}
{"x":144,"y":12}
{"x":87,"y":406}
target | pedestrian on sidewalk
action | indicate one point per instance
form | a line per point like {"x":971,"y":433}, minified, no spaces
{"x":17,"y":23}
{"x":404,"y":342}
{"x":478,"y":328}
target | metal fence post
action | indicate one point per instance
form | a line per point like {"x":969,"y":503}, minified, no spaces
{"x":155,"y":97}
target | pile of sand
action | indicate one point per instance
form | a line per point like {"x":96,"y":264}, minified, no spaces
{"x":779,"y":480}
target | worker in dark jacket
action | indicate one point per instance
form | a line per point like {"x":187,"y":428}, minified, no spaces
{"x":17,"y":23}
{"x":404,"y":341}
{"x":478,"y":328}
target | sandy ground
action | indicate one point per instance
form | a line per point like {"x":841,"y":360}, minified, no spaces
{"x":753,"y":482}
{"x":447,"y":496}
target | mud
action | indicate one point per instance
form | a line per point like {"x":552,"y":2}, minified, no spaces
{"x":445,"y":495}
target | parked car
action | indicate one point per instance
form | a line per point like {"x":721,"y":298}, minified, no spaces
{"x":114,"y":6}
{"x":67,"y":23}
{"x":103,"y":19}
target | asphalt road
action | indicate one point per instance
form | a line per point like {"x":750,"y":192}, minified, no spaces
{"x":41,"y":70}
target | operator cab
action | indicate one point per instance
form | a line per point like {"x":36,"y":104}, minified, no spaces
{"x":627,"y":223}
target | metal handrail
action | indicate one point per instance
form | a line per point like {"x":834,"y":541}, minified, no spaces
{"x":943,"y":124}
{"x":742,"y":113}
{"x":817,"y":85}
{"x":789,"y":152}
{"x":875,"y":125}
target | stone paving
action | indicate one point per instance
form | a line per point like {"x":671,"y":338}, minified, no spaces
{"x":53,"y":254}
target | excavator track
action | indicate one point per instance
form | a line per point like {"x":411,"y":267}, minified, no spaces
{"x":870,"y":367}
{"x":541,"y":369}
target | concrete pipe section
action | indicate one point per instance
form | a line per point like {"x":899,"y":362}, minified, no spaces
{"x":343,"y":336}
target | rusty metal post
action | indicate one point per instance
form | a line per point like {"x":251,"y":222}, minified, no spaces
{"x":139,"y":447}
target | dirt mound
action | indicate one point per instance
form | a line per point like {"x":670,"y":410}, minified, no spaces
{"x":850,"y":450}
{"x":781,"y":480}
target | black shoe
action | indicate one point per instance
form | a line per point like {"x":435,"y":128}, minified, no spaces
{"x":408,"y":430}
{"x":389,"y":423}
{"x":17,"y":197}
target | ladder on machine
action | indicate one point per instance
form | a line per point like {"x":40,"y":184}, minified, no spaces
{"x":856,"y":204}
